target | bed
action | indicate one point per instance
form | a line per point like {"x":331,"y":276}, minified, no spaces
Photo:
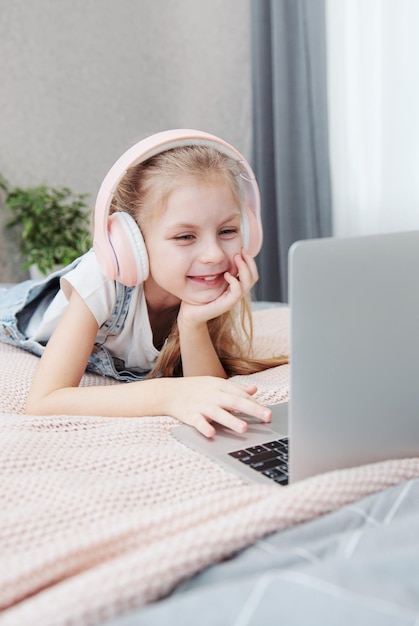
{"x":111,"y":521}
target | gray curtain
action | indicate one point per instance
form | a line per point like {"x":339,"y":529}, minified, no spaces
{"x":290,"y":132}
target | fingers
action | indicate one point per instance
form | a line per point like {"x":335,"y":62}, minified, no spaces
{"x":250,"y":389}
{"x":220,"y":416}
{"x":227,"y":419}
{"x":246,"y":277}
{"x":225,"y":404}
{"x":250,"y":407}
{"x":202,"y":426}
{"x":247,"y":268}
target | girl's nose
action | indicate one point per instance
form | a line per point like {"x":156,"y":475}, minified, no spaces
{"x":211,"y":252}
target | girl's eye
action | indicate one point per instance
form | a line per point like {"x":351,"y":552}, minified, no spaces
{"x":183,"y":237}
{"x":229,"y":232}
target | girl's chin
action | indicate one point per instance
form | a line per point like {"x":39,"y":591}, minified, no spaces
{"x":198,"y":302}
{"x":203,"y":297}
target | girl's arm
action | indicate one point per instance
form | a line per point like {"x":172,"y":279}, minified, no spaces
{"x":199,"y":357}
{"x":196,"y":401}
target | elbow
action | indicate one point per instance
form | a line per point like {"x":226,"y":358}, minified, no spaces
{"x":32,"y":407}
{"x":36,"y":405}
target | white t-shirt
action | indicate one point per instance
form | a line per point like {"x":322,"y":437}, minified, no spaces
{"x":133,"y":344}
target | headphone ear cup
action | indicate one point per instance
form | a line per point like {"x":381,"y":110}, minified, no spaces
{"x":129,"y":249}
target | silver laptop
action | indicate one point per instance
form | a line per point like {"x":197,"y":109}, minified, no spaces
{"x":354,"y":366}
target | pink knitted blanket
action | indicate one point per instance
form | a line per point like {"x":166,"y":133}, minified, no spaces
{"x":101,"y":515}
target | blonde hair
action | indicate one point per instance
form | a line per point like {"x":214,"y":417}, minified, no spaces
{"x":142,"y":193}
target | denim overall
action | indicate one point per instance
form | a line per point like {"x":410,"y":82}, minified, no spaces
{"x":18,"y":302}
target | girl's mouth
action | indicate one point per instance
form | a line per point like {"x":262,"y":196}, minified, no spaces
{"x":209,"y":280}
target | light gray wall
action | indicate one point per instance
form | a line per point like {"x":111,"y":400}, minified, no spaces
{"x":82,"y":80}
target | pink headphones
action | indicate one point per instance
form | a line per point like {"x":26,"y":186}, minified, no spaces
{"x":118,"y":242}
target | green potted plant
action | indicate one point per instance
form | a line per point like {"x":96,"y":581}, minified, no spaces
{"x":53,"y":224}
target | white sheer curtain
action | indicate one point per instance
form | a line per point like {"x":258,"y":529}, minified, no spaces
{"x":373,"y":96}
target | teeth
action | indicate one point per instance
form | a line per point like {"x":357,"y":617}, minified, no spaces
{"x":210,"y":277}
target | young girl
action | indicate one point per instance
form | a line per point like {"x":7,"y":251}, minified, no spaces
{"x":163,"y":298}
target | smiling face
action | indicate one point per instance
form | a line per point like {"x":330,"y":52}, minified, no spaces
{"x":192,"y":242}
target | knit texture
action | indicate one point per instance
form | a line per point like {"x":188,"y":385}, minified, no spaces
{"x":101,"y":515}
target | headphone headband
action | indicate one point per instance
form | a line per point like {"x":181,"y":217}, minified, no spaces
{"x":120,"y":264}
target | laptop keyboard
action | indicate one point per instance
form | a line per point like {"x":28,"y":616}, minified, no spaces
{"x":270,"y":458}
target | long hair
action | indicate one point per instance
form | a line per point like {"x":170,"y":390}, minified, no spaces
{"x":142,"y":193}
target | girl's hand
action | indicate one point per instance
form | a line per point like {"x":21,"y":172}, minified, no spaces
{"x":200,"y":400}
{"x":237,"y":287}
